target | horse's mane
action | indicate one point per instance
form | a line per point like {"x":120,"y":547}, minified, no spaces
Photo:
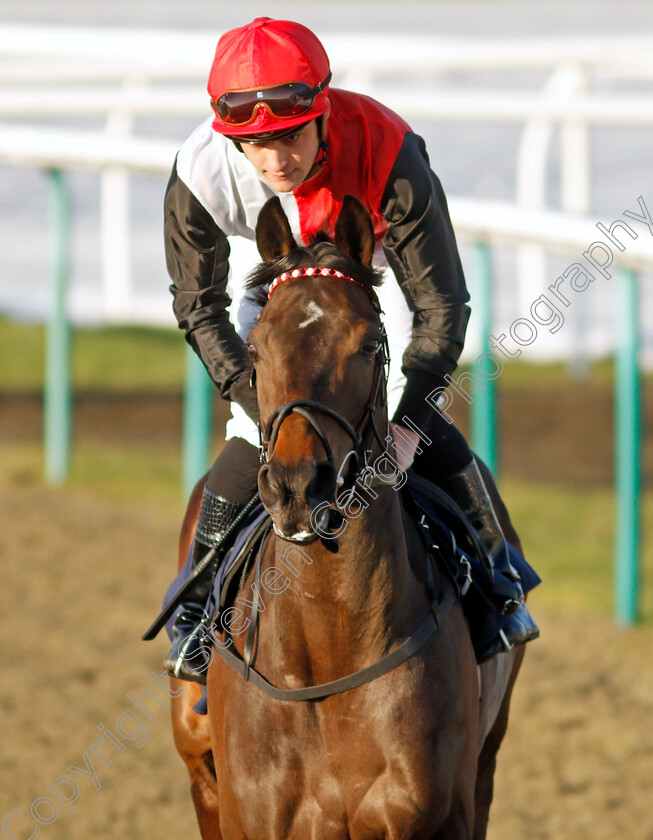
{"x":320,"y":253}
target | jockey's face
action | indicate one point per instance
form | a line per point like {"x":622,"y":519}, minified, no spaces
{"x":286,"y":163}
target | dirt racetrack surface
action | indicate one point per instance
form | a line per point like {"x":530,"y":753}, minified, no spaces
{"x":84,"y":574}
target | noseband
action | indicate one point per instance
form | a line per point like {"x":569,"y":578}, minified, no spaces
{"x":366,"y":432}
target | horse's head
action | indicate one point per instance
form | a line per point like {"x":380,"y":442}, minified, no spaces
{"x":318,"y":351}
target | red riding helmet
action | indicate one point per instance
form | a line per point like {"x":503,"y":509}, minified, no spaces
{"x":267,"y":78}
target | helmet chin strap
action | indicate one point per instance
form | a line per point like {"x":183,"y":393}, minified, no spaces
{"x":323,"y":152}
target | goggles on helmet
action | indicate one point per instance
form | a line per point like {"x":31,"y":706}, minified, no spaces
{"x":292,"y":99}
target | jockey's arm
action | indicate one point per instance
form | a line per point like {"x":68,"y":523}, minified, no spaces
{"x":421,"y":248}
{"x":197,"y":257}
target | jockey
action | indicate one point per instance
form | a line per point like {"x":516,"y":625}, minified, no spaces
{"x":279,"y":129}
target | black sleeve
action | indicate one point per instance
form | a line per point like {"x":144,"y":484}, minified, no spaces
{"x":197,"y":256}
{"x":421,"y":248}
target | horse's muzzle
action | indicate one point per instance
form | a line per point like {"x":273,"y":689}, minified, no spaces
{"x":291,"y":493}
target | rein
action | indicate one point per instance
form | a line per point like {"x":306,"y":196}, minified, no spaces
{"x":457,"y":584}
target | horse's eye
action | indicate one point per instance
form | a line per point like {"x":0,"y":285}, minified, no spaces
{"x":252,"y":352}
{"x":371,"y":348}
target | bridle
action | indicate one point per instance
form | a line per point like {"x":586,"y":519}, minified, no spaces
{"x":366,"y":432}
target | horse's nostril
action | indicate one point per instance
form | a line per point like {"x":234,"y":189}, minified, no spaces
{"x":263,"y":474}
{"x":322,"y":486}
{"x":278,"y":484}
{"x":268,"y":488}
{"x":306,"y":483}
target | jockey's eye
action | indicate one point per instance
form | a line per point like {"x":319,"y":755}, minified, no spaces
{"x":252,"y":352}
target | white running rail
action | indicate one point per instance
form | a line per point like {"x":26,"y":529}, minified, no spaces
{"x":53,"y":75}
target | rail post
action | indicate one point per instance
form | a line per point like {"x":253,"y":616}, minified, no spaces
{"x":627,"y":450}
{"x":196,"y":434}
{"x":57,"y":402}
{"x":483,"y":412}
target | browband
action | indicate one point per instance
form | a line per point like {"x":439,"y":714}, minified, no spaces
{"x":316,"y":272}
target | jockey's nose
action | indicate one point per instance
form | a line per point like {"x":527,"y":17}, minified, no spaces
{"x":296,"y":487}
{"x":276,"y":157}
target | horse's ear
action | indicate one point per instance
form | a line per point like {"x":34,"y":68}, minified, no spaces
{"x":274,"y":238}
{"x":355,"y":231}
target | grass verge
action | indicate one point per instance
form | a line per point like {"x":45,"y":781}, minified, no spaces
{"x":110,"y":358}
{"x":151,"y":359}
{"x":568,"y":537}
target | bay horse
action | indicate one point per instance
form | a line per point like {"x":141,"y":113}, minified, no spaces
{"x":412,"y":753}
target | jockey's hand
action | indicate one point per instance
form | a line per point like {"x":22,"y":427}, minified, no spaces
{"x":405,"y":441}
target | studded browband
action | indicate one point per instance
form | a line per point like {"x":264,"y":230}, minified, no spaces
{"x":316,"y":272}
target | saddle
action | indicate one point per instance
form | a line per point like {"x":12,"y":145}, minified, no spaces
{"x":482,"y":608}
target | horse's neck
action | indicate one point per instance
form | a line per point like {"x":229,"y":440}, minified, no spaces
{"x":370,"y":564}
{"x":360,"y":598}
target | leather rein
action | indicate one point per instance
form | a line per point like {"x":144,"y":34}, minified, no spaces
{"x":362,"y":438}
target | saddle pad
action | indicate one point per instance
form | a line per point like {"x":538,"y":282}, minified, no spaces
{"x":529,"y":577}
{"x":237,"y":556}
{"x":226,"y":571}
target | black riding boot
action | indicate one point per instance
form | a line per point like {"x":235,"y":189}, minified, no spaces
{"x":189,"y":655}
{"x":468,"y":489}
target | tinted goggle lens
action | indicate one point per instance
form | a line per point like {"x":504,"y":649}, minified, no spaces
{"x":238,"y":107}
